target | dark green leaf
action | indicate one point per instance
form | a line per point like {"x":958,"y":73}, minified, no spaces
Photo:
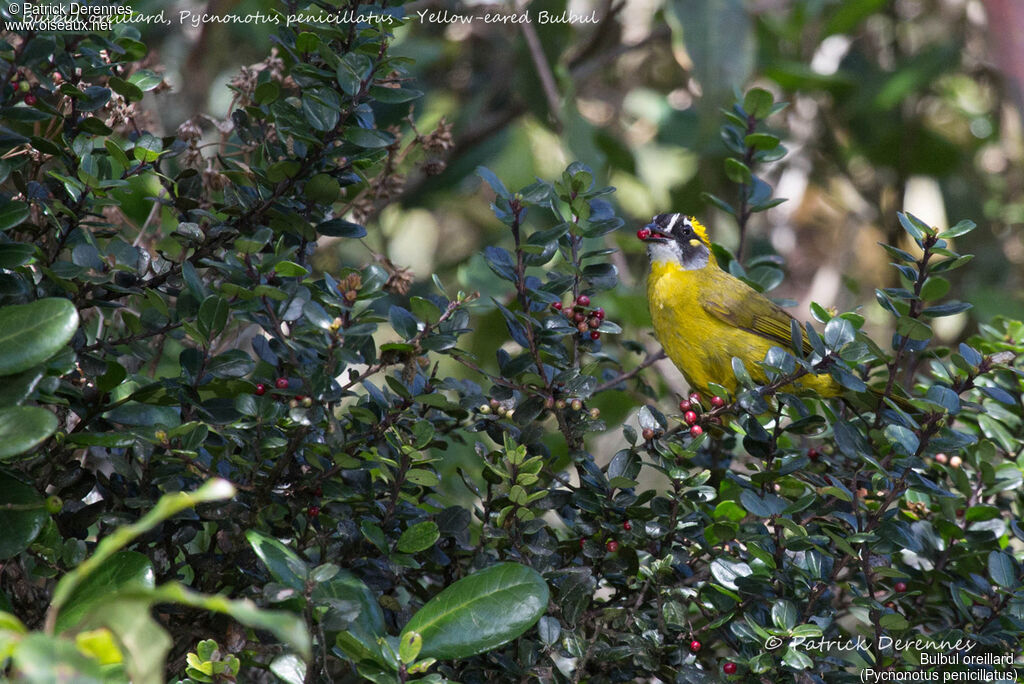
{"x":281,"y":561}
{"x":404,"y":323}
{"x":322,"y":108}
{"x":12,"y":214}
{"x":418,"y":537}
{"x":23,"y":428}
{"x":369,"y":138}
{"x":22,"y":515}
{"x":32,"y":333}
{"x":480,"y":612}
{"x":341,"y":228}
{"x":1002,"y":569}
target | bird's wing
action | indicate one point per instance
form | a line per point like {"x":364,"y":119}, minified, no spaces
{"x":734,"y":302}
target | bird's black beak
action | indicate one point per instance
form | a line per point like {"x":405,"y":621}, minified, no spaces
{"x":653,"y":233}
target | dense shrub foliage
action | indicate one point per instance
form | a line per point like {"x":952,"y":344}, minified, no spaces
{"x":162,"y":327}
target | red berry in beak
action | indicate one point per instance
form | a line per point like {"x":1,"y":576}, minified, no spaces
{"x":643,"y":233}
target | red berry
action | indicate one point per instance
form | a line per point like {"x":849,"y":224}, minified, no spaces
{"x":299,"y":397}
{"x":717,"y":401}
{"x":647,"y":434}
{"x":627,"y":526}
{"x":690,"y":417}
{"x":729,"y":668}
{"x":594,"y":335}
{"x":696,"y":431}
{"x":643,"y":233}
{"x":583,"y":542}
{"x":30,"y":100}
{"x":612,"y":546}
{"x":313,"y":511}
{"x":579,"y":318}
{"x":694,"y":646}
{"x":695,"y":398}
{"x":599,"y":312}
{"x":583,"y":300}
{"x":813,"y":454}
{"x":281,"y":383}
{"x":684,"y":405}
{"x":261,"y":389}
{"x":557,"y":306}
{"x":900,"y":587}
{"x":594,"y":322}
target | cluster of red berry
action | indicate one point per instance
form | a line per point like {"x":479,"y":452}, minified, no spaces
{"x":282,"y":384}
{"x":580,"y":314}
{"x":25,"y":88}
{"x":690,"y":408}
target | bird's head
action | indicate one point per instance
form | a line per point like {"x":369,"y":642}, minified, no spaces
{"x":677,"y":238}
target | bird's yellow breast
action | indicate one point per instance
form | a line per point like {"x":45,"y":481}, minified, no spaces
{"x":696,"y":342}
{"x":700,"y":344}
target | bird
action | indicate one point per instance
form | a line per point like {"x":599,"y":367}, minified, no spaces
{"x":704,"y":316}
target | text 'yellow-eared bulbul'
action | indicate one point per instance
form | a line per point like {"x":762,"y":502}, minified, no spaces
{"x":703,"y":316}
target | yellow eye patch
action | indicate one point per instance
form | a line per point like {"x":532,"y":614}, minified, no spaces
{"x":695,"y":243}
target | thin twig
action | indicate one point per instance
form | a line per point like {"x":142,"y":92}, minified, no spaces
{"x":623,"y":377}
{"x":547,"y":78}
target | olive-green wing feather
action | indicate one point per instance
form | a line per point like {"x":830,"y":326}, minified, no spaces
{"x":731,"y":300}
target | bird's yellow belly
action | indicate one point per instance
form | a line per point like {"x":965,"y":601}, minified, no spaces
{"x":699,"y":344}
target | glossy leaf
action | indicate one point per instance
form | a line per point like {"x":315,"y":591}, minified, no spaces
{"x":283,"y":563}
{"x":480,"y":612}
{"x":31,"y":333}
{"x":22,"y":515}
